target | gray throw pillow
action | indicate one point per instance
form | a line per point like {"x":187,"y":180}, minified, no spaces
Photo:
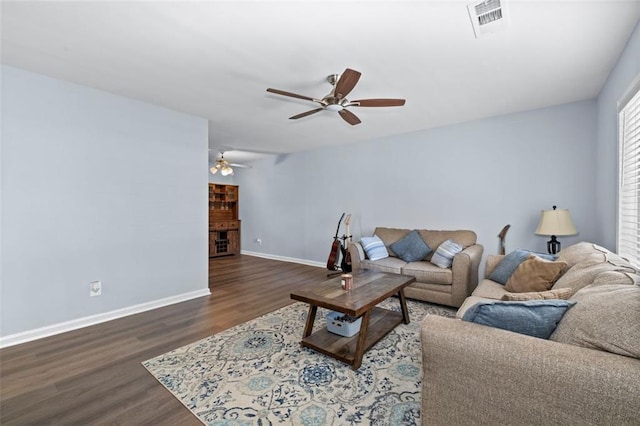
{"x":537,"y":318}
{"x":411,"y":247}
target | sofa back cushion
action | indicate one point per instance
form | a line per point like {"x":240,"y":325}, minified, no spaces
{"x":605,"y":317}
{"x":433,"y":239}
{"x":592,"y":271}
{"x":390,"y":236}
{"x":492,"y":262}
{"x":579,"y":253}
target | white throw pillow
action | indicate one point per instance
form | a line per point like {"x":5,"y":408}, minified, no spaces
{"x":443,"y":257}
{"x":374,"y":247}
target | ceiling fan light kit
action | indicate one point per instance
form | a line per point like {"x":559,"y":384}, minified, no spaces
{"x":224,"y":166}
{"x":336,"y":100}
{"x":225,"y":170}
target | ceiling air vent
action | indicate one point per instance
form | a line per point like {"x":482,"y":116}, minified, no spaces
{"x":488,"y":16}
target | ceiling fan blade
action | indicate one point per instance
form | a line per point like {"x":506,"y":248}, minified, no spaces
{"x":349,"y":117}
{"x":242,"y":166}
{"x":378,"y":102}
{"x":292,"y":95}
{"x":346,"y":83}
{"x":304,"y":114}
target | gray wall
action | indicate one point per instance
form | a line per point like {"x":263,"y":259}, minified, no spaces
{"x":479,"y":175}
{"x":626,"y":70}
{"x":96,"y":187}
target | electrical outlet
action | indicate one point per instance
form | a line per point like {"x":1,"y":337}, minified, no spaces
{"x":258,"y":241}
{"x":95,"y":288}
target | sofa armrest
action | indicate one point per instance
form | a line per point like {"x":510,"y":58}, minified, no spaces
{"x":357,"y":255}
{"x":479,"y":375}
{"x":465,"y":273}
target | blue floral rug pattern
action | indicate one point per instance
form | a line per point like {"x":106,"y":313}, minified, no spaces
{"x":257,"y":374}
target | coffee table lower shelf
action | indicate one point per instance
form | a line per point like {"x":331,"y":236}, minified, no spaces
{"x":345,"y":349}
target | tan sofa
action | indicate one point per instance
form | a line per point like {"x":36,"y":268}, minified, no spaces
{"x":587,"y":373}
{"x":433,"y":284}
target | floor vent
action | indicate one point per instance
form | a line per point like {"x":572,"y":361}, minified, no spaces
{"x":488,"y":16}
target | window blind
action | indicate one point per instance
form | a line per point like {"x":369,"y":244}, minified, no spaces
{"x":629,"y":180}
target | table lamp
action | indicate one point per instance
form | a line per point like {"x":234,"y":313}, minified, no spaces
{"x":555,"y":223}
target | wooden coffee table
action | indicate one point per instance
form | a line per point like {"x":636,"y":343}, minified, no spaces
{"x":369,"y":289}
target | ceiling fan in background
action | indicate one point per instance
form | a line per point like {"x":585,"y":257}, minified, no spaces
{"x":336,"y":100}
{"x":224,"y":166}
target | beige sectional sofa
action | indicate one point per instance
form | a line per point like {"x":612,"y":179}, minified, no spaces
{"x":586,"y":373}
{"x":446,"y":286}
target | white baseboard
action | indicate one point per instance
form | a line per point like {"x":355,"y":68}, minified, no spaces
{"x":63,"y":327}
{"x":284,"y":258}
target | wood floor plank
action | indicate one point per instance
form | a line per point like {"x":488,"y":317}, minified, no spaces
{"x":94,"y":375}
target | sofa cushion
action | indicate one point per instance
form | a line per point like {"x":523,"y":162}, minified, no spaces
{"x":534,"y":274}
{"x":509,"y":263}
{"x":392,"y":265}
{"x":606,"y":317}
{"x":374,"y":247}
{"x":463,"y":237}
{"x":427,"y":272}
{"x":560,"y":293}
{"x":390,"y":236}
{"x":443,"y":257}
{"x":411,"y":247}
{"x":581,"y":252}
{"x":537,"y":318}
{"x":489,"y":289}
{"x":589,"y":272}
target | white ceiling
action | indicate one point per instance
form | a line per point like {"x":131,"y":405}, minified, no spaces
{"x":216,"y":59}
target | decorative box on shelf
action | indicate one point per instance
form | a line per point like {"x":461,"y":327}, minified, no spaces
{"x":343,"y":325}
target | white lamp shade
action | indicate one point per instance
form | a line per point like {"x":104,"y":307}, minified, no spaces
{"x":213,"y":170}
{"x":556,"y":222}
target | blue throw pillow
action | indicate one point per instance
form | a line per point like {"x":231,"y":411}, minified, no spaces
{"x":443,"y":257}
{"x":507,"y":266}
{"x":537,"y":318}
{"x":411,"y":247}
{"x":374,"y":247}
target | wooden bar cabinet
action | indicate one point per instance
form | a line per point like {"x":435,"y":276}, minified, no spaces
{"x":224,"y":225}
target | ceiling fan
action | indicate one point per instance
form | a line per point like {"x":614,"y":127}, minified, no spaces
{"x":224,"y":166}
{"x":336,"y":99}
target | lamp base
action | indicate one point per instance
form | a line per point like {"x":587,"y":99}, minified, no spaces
{"x":553,"y":245}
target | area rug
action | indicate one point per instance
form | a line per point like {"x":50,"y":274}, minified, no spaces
{"x":257,"y":374}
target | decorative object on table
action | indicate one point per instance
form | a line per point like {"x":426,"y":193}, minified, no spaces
{"x":342,"y":324}
{"x":257,"y":373}
{"x":502,"y":235}
{"x":555,"y":223}
{"x":336,"y":100}
{"x":347,"y":281}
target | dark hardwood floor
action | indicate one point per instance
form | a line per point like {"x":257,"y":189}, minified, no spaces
{"x":94,"y":376}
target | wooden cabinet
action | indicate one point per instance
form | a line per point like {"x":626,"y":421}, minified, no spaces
{"x":224,"y":225}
